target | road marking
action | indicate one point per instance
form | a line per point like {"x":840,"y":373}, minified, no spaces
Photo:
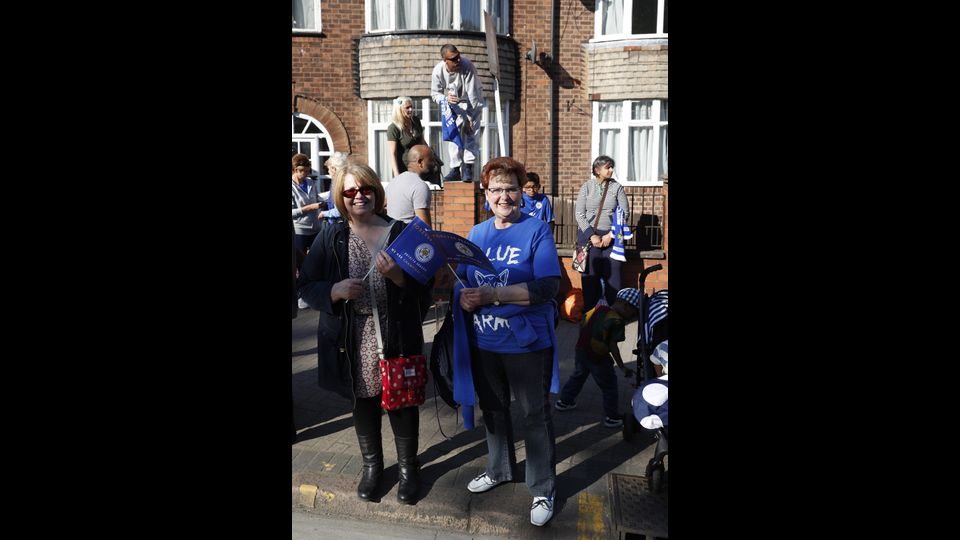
{"x":590,"y":517}
{"x":308,"y":495}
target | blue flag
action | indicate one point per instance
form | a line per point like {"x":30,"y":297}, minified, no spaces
{"x":450,"y":130}
{"x":421,"y":251}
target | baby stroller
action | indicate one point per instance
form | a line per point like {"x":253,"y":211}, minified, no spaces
{"x":651,"y":336}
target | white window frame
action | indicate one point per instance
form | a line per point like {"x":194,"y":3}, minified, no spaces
{"x":622,"y":153}
{"x":627,"y":20}
{"x":484,"y":5}
{"x":430,"y":124}
{"x":318,"y":23}
{"x":317,"y":156}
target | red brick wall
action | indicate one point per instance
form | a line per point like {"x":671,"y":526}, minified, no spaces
{"x":323,"y":69}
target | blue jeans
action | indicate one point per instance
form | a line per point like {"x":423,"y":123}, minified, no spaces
{"x":603,"y":374}
{"x":528,"y":375}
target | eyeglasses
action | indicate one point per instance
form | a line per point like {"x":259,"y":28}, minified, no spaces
{"x":454,"y":59}
{"x":352,"y":192}
{"x":303,"y":169}
{"x":498,"y":191}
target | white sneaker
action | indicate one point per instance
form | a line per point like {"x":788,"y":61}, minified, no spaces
{"x":541,"y":511}
{"x":301,"y":304}
{"x":482,"y":483}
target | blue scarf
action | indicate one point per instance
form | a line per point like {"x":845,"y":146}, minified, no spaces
{"x":464,"y":391}
{"x":450,"y":131}
{"x":621,"y":231}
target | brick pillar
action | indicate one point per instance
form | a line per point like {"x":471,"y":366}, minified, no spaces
{"x":666,"y":210}
{"x":459,"y":216}
{"x":459,"y":207}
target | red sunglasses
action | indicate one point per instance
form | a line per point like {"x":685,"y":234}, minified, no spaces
{"x":352,"y":192}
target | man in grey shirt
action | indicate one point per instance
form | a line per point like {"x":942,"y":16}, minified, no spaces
{"x":455,"y":80}
{"x":407,"y":194}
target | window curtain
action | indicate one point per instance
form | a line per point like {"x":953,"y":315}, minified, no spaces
{"x":382,"y":112}
{"x":440,"y":149}
{"x":612,"y":17}
{"x":610,"y":111}
{"x":663,"y":152}
{"x":641,"y":154}
{"x":498,"y":12}
{"x":304,"y":15}
{"x":609,"y":139}
{"x":408,"y":14}
{"x":641,"y":110}
{"x":380,"y":15}
{"x":383,"y":157}
{"x":441,"y":15}
{"x":470,"y":15}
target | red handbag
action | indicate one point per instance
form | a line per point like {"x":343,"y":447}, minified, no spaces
{"x":404,"y":381}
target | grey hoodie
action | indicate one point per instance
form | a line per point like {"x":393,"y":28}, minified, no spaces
{"x":305,"y":222}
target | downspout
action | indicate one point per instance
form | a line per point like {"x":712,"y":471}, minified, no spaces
{"x":555,"y":99}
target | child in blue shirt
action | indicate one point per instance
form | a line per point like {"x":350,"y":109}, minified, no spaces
{"x":533,"y":203}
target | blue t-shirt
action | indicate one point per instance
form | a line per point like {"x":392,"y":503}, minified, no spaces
{"x":537,"y":206}
{"x":525,"y":251}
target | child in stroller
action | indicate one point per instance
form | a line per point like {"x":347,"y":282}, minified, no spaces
{"x":649,"y":402}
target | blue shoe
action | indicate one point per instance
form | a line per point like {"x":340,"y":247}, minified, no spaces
{"x":468,"y":172}
{"x":453,"y":175}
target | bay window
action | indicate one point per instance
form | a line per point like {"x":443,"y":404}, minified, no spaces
{"x":634,"y":134}
{"x":393,"y":15}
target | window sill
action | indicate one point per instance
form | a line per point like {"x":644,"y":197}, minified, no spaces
{"x":641,"y":39}
{"x":654,"y":183}
{"x":648,"y":254}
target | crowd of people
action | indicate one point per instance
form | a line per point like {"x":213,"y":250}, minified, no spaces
{"x":506,"y":333}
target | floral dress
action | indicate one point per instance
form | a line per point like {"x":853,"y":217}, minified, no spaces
{"x":366,"y":376}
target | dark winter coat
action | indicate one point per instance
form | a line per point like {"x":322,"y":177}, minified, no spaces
{"x":326,"y":264}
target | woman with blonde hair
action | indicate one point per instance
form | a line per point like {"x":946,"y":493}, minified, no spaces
{"x":346,"y":264}
{"x":404,"y":132}
{"x":333,"y":163}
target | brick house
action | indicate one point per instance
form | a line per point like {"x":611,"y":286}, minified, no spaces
{"x":596,"y":83}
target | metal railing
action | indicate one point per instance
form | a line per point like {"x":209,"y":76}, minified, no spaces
{"x":646,"y":216}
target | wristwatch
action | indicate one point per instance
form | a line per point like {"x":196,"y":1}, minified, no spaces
{"x":496,"y":296}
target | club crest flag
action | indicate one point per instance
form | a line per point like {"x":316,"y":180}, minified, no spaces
{"x":421,"y":251}
{"x":450,"y":131}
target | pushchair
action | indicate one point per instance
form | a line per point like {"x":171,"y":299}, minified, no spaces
{"x":651,"y":332}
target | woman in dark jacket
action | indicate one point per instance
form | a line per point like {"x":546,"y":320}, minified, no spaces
{"x":333,"y":281}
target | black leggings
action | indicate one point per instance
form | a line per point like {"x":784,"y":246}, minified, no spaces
{"x":366,"y":418}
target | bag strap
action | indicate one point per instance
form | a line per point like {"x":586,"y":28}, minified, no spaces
{"x":596,"y":222}
{"x":373,"y":297}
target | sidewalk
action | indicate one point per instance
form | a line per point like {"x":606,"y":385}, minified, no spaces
{"x":326,"y":458}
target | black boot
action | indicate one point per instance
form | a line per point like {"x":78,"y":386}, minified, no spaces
{"x":409,"y":469}
{"x":371,"y":450}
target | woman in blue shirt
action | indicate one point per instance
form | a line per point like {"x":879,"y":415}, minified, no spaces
{"x":512,"y":339}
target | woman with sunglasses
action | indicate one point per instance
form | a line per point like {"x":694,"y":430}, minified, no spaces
{"x":454,"y":79}
{"x":347,"y":259}
{"x":509,"y":323}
